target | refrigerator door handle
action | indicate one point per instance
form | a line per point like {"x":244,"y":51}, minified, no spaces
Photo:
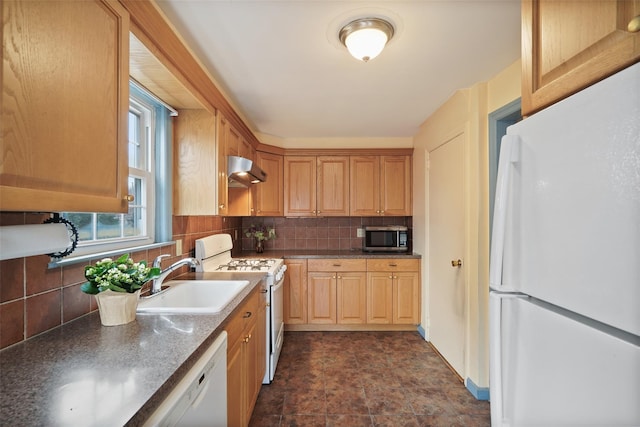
{"x":509,"y":156}
{"x":495,"y":356}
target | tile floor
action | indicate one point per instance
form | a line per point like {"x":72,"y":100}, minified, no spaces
{"x":365,"y":379}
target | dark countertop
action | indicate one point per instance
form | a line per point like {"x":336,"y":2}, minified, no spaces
{"x":83,"y":373}
{"x":314,"y":253}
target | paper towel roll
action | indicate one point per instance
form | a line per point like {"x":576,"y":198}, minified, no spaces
{"x":32,"y":239}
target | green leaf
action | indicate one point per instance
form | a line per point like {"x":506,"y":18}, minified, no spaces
{"x":116,"y":288}
{"x":123,"y":259}
{"x":89,"y":288}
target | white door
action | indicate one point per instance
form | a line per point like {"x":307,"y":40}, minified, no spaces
{"x":447,"y":293}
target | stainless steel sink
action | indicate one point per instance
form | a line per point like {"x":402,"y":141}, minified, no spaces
{"x":193,"y":296}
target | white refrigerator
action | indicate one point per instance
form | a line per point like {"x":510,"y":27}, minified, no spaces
{"x":565,"y":263}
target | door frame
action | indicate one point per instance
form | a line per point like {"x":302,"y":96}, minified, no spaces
{"x":499,"y":120}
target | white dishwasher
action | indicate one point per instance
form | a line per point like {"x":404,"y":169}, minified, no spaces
{"x":200,"y":398}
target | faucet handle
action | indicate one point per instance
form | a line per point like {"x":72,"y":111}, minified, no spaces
{"x":158,"y":261}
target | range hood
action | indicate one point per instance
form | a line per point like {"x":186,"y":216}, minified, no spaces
{"x":243,"y":172}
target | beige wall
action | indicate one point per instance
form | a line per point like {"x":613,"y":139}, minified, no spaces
{"x":465,"y":112}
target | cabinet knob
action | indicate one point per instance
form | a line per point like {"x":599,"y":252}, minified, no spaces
{"x":390,"y":277}
{"x":130,"y":198}
{"x":456,"y":263}
{"x":220,"y":206}
{"x":393,"y":265}
{"x":247,"y":315}
{"x":339,"y":277}
{"x":634,"y":24}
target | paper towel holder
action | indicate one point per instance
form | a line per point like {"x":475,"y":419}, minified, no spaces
{"x":73,"y":235}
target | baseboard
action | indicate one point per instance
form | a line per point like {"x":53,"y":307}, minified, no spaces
{"x":422,"y":332}
{"x":480,"y":393}
{"x":356,"y":327}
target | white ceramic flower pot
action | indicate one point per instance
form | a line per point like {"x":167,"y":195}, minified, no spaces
{"x":117,"y":308}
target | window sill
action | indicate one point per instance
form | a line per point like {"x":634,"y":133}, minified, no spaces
{"x":99,"y":255}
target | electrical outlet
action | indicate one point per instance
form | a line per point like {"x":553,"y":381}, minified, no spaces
{"x":235,"y":235}
{"x":360,"y":232}
{"x":179,"y":247}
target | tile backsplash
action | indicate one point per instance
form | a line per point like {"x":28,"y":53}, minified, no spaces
{"x":335,"y":233}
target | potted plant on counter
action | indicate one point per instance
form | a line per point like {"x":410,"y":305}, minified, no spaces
{"x":116,"y":286}
{"x":260,"y":233}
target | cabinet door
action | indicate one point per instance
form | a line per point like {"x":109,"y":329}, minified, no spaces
{"x":333,"y":186}
{"x":194,"y":152}
{"x":568,"y":45}
{"x":299,"y":186}
{"x":253,"y":362}
{"x":65,"y":100}
{"x":395,"y":185}
{"x":234,"y":141}
{"x":222,"y":133}
{"x":269,"y":194}
{"x":295,"y":292}
{"x":364,"y":172}
{"x":406,"y":298}
{"x":379,"y":298}
{"x":321,"y":293}
{"x":245,"y":149}
{"x":351,"y":289}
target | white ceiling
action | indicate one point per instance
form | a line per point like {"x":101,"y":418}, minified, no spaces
{"x":282,"y":65}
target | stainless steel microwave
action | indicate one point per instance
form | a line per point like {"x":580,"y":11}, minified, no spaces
{"x":390,"y":238}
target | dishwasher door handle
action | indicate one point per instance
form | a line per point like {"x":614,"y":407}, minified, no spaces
{"x":201,"y":393}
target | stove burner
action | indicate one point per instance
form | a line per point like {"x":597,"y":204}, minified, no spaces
{"x":248,"y":264}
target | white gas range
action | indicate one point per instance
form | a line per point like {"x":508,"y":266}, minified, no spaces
{"x":214,"y":254}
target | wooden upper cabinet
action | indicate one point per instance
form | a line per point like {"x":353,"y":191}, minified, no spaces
{"x":245,"y":149}
{"x":569,"y":45}
{"x":222,"y":137}
{"x":365,"y":186}
{"x":395,"y":185}
{"x":65,"y":100}
{"x":194,"y":153}
{"x":380,"y":185}
{"x":299,"y":186}
{"x":316,"y":186}
{"x":332,"y":186}
{"x":234,"y":141}
{"x":269,"y":199}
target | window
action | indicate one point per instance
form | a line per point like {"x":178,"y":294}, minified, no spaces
{"x":148,"y":133}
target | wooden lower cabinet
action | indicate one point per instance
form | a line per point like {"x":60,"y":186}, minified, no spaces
{"x":295,"y":292}
{"x":354,"y":293}
{"x":245,"y":358}
{"x":321,"y":297}
{"x":379,"y":297}
{"x":393,"y":291}
{"x":336,"y":291}
{"x":351,"y":298}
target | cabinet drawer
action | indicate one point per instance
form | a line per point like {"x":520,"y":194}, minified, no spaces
{"x":241,"y":317}
{"x":337,"y":264}
{"x":393,"y":264}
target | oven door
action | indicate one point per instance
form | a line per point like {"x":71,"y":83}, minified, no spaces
{"x":277,"y":315}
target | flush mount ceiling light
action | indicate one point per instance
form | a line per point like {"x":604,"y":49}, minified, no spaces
{"x":365,"y":38}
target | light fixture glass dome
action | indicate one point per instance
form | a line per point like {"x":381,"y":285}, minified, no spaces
{"x":365,"y":38}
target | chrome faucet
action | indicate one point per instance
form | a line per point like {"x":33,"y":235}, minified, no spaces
{"x":156,"y":286}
